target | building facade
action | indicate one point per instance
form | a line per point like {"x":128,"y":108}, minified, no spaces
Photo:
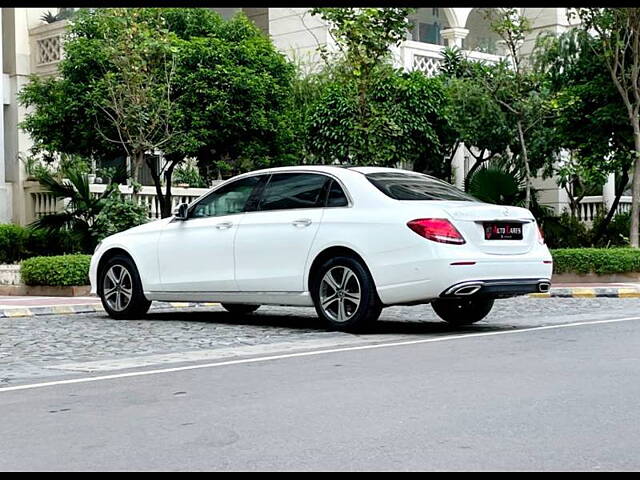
{"x":30,"y":45}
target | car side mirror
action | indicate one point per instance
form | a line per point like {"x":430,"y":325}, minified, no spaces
{"x":181,"y":211}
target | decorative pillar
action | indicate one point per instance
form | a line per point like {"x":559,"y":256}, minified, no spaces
{"x":454,"y":36}
{"x":457,"y":166}
{"x":609,"y":191}
{"x":5,"y":207}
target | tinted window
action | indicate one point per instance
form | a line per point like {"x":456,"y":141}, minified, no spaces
{"x":293,"y":190}
{"x":227,"y":200}
{"x":407,"y":186}
{"x":336,"y":196}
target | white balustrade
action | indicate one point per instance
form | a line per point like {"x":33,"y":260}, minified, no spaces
{"x":591,"y":206}
{"x":428,"y":57}
{"x":41,"y":202}
{"x":46,"y":45}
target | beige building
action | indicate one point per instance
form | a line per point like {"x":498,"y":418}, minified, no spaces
{"x":29,"y":45}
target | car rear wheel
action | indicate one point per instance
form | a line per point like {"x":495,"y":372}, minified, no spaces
{"x":121,"y":289}
{"x":239,"y":308}
{"x":463,"y":311}
{"x":344,"y":294}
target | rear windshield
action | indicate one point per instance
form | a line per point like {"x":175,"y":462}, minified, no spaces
{"x":416,"y":186}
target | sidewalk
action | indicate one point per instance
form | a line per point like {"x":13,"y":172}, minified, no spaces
{"x":14,"y":306}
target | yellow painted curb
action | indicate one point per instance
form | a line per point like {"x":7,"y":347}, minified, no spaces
{"x":540,"y":295}
{"x":17,"y":312}
{"x":63,"y":309}
{"x":583,"y":292}
{"x":210,"y":304}
{"x":628,"y":293}
{"x":180,"y":304}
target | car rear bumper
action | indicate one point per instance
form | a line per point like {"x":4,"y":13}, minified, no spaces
{"x":497,"y":288}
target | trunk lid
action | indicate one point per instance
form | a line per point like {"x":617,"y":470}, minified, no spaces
{"x":471,"y":218}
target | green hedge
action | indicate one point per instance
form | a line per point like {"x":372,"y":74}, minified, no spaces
{"x":60,"y":271}
{"x":18,"y":243}
{"x":597,"y":260}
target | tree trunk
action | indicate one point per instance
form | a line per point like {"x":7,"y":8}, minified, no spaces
{"x":614,"y":206}
{"x":166,"y":210}
{"x":525,"y":158}
{"x":635,"y":188}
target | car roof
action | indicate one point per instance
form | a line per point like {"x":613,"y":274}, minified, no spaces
{"x":329,"y":169}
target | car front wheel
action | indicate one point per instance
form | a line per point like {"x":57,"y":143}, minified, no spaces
{"x":462,"y":311}
{"x":121,"y":289}
{"x":344,"y":294}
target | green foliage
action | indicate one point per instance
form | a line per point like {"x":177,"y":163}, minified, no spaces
{"x":180,"y":79}
{"x":61,"y":271}
{"x":13,"y":239}
{"x":81,"y":210}
{"x":365,"y":34}
{"x":190,"y":175}
{"x":616,"y":233}
{"x":591,"y":120}
{"x":596,"y":260}
{"x":495,"y":185}
{"x":117,"y":214}
{"x":565,"y":231}
{"x":407,"y":125}
{"x":17,"y":243}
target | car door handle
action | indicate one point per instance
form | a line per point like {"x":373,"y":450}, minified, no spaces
{"x":224,"y":225}
{"x":303,"y":222}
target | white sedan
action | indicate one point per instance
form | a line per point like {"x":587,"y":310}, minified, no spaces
{"x":348,"y":241}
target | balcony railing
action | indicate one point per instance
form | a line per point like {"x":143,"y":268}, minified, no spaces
{"x":591,"y":206}
{"x":41,"y":202}
{"x":428,"y":57}
{"x":46,"y":47}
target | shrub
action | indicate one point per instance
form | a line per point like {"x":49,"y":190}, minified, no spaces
{"x":13,"y":240}
{"x":60,"y":271}
{"x":596,"y":260}
{"x":116,"y":216}
{"x":565,"y":232}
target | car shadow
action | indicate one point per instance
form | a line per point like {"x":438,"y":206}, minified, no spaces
{"x":297,"y":322}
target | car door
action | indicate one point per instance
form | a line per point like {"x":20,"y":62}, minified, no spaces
{"x":272,"y":243}
{"x":197,"y":254}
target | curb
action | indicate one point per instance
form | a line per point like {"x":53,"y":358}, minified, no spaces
{"x":69,"y":309}
{"x":574,"y":292}
{"x":584,"y":292}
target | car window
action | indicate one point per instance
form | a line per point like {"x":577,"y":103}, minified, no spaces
{"x":336,"y":196}
{"x":416,"y":186}
{"x":227,"y":200}
{"x":294,"y":190}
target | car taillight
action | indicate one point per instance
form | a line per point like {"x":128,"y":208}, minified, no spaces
{"x":540,"y":235}
{"x":436,"y":229}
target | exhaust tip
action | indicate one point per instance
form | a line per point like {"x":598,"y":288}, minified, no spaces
{"x":543,"y":287}
{"x":467,"y":290}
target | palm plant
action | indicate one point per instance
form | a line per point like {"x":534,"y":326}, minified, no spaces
{"x":81,"y":210}
{"x":503,"y":184}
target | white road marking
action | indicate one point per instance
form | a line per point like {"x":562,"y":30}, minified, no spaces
{"x":308,"y":354}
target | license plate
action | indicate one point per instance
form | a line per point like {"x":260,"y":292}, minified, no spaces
{"x":502,"y":231}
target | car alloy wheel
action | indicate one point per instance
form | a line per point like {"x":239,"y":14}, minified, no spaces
{"x":118,"y":287}
{"x":340,"y":294}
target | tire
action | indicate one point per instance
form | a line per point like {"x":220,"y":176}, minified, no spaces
{"x":116,"y":304}
{"x":359,"y":298}
{"x":464,"y":311}
{"x":239,"y":308}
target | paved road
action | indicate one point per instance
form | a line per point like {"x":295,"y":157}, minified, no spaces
{"x":493,"y":396}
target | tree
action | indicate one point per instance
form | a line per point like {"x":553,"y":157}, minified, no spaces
{"x":520,"y":92}
{"x":591,"y":121}
{"x":363,"y":110}
{"x":618,"y":34}
{"x":475,"y":116}
{"x":407,"y":125}
{"x":181,"y":81}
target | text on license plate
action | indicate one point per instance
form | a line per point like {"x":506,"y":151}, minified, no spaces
{"x":502,"y":231}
